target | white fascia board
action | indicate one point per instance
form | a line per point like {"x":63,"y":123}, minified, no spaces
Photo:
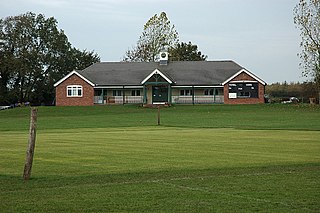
{"x":247,"y":72}
{"x":197,"y":86}
{"x":133,"y":87}
{"x":208,"y":86}
{"x":108,"y":87}
{"x":244,"y":81}
{"x":118,"y":87}
{"x":156,"y":71}
{"x":70,"y":74}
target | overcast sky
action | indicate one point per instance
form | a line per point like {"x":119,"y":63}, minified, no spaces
{"x":257,"y":34}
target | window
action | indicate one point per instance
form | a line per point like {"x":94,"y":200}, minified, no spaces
{"x":98,"y":92}
{"x":244,"y":95}
{"x":74,"y":91}
{"x":247,"y":90}
{"x":186,"y":92}
{"x":117,"y":92}
{"x":208,"y":92}
{"x":135,"y":92}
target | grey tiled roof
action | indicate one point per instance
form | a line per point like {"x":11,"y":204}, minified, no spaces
{"x":180,"y":72}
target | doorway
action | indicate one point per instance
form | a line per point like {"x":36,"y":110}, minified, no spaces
{"x":159,"y":94}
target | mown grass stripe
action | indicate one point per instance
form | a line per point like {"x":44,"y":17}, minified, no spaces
{"x":115,"y":159}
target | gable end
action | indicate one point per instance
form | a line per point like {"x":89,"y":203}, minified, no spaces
{"x":248,"y":73}
{"x":70,"y":74}
{"x":156,"y":71}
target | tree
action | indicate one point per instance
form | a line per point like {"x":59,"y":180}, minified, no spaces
{"x":186,"y":52}
{"x":157,"y":34}
{"x":307,"y":19}
{"x":282,"y":91}
{"x":35,"y":55}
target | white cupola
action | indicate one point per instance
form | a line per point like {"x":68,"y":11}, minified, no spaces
{"x":164,"y":57}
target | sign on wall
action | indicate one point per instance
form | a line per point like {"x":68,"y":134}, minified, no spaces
{"x":232,"y":95}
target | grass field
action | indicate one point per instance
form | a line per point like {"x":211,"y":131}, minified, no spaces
{"x":201,"y":159}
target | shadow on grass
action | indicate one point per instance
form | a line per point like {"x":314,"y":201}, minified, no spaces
{"x":13,"y":182}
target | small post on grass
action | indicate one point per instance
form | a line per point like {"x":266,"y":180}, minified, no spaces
{"x":31,"y":144}
{"x":158,"y":115}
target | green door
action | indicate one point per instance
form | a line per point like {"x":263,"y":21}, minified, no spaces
{"x":159,"y":94}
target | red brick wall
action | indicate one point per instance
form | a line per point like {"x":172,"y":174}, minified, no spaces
{"x":244,"y":77}
{"x":87,"y":98}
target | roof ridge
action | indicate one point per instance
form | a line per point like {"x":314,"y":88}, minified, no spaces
{"x":126,"y":62}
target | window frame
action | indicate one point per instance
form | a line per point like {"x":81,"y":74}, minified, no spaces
{"x":209,"y":92}
{"x":183,"y":92}
{"x":117,"y":93}
{"x":135,"y":92}
{"x":74,"y":91}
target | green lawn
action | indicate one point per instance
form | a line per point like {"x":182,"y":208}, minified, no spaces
{"x":201,"y":159}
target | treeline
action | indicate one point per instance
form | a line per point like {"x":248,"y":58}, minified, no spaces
{"x":34,"y":54}
{"x":282,"y":91}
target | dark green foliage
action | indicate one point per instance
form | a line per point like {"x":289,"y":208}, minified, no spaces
{"x":186,"y":52}
{"x":303,"y":91}
{"x":34,"y":55}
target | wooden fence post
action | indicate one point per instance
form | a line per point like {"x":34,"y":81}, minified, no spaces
{"x":31,"y":144}
{"x":158,"y":115}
